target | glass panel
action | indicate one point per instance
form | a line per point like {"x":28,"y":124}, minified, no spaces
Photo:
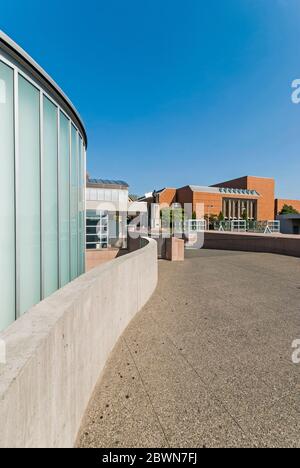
{"x":64,"y":200}
{"x":29,"y":196}
{"x":7,"y":200}
{"x":81,"y":208}
{"x":50,"y":200}
{"x":107,"y":195}
{"x":74,"y":203}
{"x":100,"y":194}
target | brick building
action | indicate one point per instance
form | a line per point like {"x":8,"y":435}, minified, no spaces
{"x":253,"y":196}
{"x":279,"y":204}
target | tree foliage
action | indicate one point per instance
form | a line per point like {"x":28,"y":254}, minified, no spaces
{"x":288,"y":209}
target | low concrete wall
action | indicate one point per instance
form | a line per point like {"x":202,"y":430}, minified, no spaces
{"x":248,"y":242}
{"x":57,"y":350}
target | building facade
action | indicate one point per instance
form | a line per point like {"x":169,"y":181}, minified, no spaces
{"x":42,"y":183}
{"x":106,"y":213}
{"x":250,"y":197}
{"x":289,"y":224}
{"x":264,"y":188}
{"x":232,"y":202}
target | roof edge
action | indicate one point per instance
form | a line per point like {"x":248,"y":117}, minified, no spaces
{"x":29,"y":63}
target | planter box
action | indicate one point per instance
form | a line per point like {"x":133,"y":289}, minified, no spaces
{"x":175,"y":249}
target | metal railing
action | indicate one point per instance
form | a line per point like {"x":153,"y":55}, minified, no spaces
{"x":195,"y":225}
{"x":265,"y":227}
{"x":238,"y":225}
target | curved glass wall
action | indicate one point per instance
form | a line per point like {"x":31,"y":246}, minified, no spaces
{"x":7,"y":196}
{"x":42,"y":184}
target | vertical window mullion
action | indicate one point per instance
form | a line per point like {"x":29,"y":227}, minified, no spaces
{"x":42,"y":241}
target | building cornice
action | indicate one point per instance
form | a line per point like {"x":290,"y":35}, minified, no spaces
{"x":31,"y":66}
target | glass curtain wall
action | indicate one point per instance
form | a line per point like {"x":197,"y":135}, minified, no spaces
{"x":64,"y":199}
{"x":42,"y":202}
{"x":7,"y":196}
{"x":81,"y":240}
{"x":50,"y":197}
{"x":28,"y":197}
{"x":74,"y":203}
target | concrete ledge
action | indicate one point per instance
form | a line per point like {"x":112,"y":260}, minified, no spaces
{"x":249,"y":242}
{"x":57,"y":350}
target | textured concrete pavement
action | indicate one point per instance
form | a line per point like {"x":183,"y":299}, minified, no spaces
{"x":207,"y":362}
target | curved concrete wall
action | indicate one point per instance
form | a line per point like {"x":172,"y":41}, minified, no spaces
{"x":248,"y":242}
{"x":57,"y":350}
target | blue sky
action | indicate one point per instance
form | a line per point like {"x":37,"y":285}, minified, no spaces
{"x":174,"y":91}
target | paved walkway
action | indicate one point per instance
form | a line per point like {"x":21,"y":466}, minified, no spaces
{"x":207,"y":362}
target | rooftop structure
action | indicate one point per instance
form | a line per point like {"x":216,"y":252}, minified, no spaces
{"x":206,"y":189}
{"x":107,"y":183}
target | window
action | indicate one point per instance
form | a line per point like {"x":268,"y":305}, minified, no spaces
{"x":81,"y":240}
{"x":97,"y":229}
{"x":50,"y":198}
{"x":74,"y":203}
{"x":28,"y":197}
{"x":64,"y":199}
{"x":7,"y":196}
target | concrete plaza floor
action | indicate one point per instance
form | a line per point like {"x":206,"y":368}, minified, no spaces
{"x":207,"y":362}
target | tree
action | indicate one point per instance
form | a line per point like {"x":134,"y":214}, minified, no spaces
{"x":245,"y":215}
{"x":210,"y":219}
{"x":288,"y":209}
{"x":172,"y":218}
{"x":221,"y":216}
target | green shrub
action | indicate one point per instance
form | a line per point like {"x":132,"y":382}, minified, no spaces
{"x":288,"y":209}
